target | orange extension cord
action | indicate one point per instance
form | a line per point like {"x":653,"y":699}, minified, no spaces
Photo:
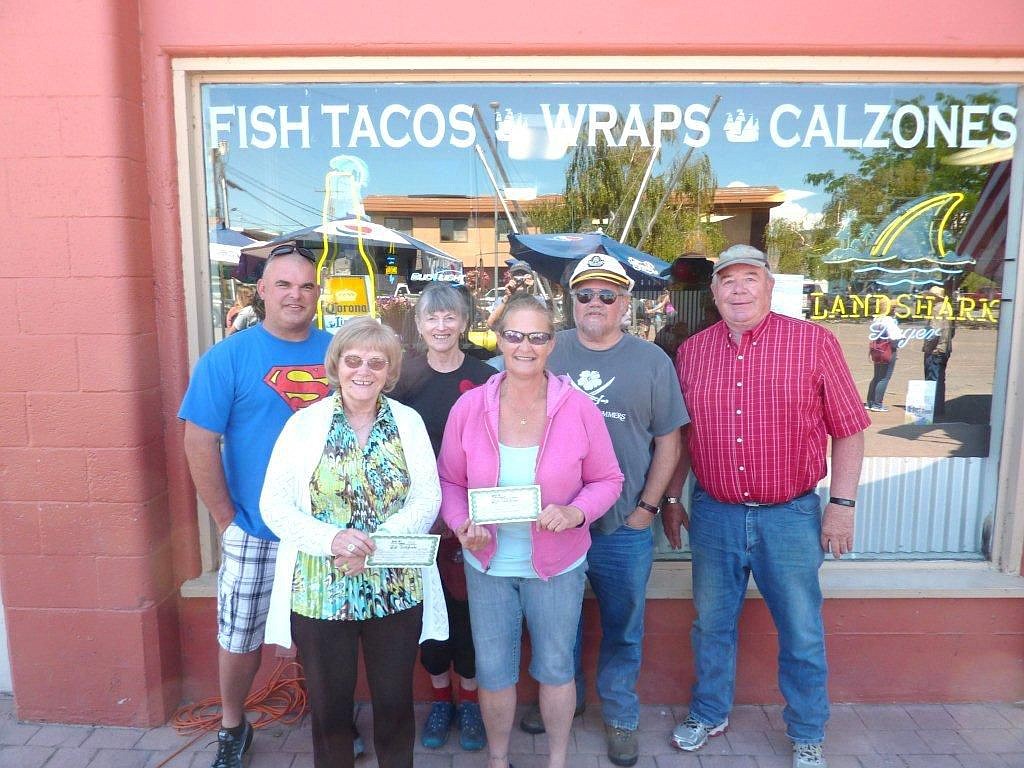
{"x":282,"y":699}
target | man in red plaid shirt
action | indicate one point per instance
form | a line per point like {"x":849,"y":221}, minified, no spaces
{"x":764,"y":393}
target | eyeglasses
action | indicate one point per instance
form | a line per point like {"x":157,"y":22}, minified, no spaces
{"x":537,"y":338}
{"x":285,"y":248}
{"x":374,"y":363}
{"x":606,"y":295}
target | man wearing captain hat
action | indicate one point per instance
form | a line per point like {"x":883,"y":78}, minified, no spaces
{"x":634,"y":385}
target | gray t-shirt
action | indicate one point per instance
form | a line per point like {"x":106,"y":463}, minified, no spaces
{"x":636,"y":388}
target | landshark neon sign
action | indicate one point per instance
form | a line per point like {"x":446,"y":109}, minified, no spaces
{"x":907,"y":306}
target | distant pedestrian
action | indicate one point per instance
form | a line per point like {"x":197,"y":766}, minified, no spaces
{"x":884,"y":341}
{"x":937,"y":348}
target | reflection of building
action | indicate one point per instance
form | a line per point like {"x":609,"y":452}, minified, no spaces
{"x":464,"y":226}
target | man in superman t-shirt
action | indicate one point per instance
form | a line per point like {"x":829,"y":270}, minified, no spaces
{"x":242,"y":392}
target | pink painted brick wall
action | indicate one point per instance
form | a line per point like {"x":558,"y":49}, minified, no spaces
{"x":86,"y":556}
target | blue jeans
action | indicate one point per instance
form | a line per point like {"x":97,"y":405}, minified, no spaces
{"x":935,"y":370}
{"x":497,"y":606}
{"x":880,"y":380}
{"x":619,"y":565}
{"x":780,"y":545}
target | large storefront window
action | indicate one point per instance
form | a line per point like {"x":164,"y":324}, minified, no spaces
{"x":881,"y":206}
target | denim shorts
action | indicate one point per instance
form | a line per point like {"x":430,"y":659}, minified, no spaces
{"x":244,"y":581}
{"x":497,"y":606}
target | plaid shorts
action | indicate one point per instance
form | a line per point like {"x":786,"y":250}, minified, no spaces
{"x":243,"y":589}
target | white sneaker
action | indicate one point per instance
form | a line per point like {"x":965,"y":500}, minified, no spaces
{"x":691,"y":734}
{"x":808,"y":756}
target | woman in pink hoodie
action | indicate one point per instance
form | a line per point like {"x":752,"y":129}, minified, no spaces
{"x":527,"y":427}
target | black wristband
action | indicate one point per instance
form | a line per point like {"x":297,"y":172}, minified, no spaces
{"x":842,"y":502}
{"x":648,"y":507}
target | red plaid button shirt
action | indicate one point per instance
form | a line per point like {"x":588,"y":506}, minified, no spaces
{"x":761,"y":411}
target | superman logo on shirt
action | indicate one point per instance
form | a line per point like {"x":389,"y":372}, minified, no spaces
{"x":298,"y":385}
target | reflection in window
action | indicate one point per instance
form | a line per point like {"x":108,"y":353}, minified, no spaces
{"x":454,"y":230}
{"x":399,"y":223}
{"x":864,"y":195}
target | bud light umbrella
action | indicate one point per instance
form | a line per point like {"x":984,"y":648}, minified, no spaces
{"x":551,"y":255}
{"x":351,"y":232}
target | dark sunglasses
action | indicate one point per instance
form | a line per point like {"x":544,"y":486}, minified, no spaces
{"x":374,"y":363}
{"x":285,"y":248}
{"x":537,"y":338}
{"x":606,"y":295}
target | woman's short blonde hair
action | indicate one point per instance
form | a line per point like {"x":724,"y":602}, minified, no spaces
{"x":367,"y":333}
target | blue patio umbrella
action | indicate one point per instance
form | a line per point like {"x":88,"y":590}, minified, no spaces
{"x":550,"y":255}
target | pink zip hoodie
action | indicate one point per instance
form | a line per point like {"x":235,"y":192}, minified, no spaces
{"x":576,"y":466}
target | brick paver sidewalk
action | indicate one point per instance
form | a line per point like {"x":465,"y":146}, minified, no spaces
{"x":859,"y":736}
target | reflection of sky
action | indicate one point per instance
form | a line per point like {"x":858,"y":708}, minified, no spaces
{"x":291,"y":180}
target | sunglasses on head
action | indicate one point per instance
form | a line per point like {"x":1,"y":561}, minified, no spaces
{"x":537,"y":338}
{"x":606,"y":295}
{"x":374,"y":363}
{"x":285,"y":248}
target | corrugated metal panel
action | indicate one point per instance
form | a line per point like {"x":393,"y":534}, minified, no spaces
{"x":908,"y":508}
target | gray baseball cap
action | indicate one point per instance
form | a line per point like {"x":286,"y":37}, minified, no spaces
{"x":740,"y":254}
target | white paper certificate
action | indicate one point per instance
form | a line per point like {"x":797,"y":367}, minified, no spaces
{"x":413,"y":550}
{"x":508,"y":504}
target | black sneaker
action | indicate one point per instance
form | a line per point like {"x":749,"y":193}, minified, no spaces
{"x":230,"y":748}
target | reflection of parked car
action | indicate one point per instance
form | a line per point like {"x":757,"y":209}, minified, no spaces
{"x":812,"y":287}
{"x":486,"y":302}
{"x":403,"y":291}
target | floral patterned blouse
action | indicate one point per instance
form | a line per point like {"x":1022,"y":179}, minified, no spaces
{"x":360,"y":488}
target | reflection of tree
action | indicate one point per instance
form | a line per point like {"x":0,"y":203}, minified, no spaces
{"x":887,"y":178}
{"x":690,"y":206}
{"x":787,"y":247}
{"x":601,"y":184}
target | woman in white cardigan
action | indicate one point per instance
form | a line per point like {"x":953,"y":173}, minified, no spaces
{"x":346,"y":467}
